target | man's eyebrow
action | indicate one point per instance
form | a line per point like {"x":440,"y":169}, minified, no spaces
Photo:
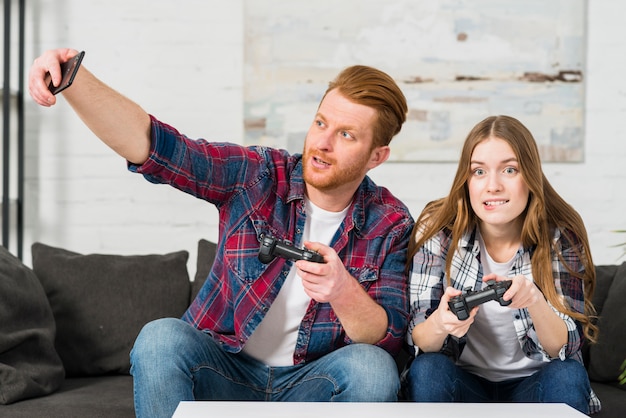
{"x":342,"y":126}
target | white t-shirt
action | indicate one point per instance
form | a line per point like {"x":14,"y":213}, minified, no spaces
{"x":274,"y":340}
{"x":493,"y":350}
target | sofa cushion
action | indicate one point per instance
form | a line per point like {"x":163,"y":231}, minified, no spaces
{"x":204,"y":262}
{"x":81,"y":397}
{"x":606,"y":357}
{"x":29,"y":364}
{"x":101,"y":302}
{"x":604,"y":280}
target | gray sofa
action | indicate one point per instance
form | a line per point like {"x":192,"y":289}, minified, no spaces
{"x":604,"y":359}
{"x":96,"y":305}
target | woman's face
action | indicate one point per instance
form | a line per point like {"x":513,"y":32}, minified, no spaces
{"x":497,"y":190}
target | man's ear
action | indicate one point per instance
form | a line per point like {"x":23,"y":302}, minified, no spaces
{"x":379,"y":155}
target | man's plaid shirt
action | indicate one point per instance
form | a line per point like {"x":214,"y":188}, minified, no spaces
{"x":258,"y":191}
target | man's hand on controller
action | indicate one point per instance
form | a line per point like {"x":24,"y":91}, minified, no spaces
{"x":326,"y":281}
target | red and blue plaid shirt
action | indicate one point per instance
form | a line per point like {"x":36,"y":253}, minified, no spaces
{"x":258,"y":191}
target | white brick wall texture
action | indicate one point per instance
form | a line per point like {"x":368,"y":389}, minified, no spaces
{"x":182,"y":61}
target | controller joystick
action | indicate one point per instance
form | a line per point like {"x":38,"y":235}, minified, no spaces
{"x":272,"y":248}
{"x":462,"y":305}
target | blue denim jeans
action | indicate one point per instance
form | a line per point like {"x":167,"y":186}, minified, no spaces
{"x":433,"y":377}
{"x":173,"y":361}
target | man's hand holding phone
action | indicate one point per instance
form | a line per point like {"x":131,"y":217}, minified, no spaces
{"x":52,"y":73}
{"x":68,"y":72}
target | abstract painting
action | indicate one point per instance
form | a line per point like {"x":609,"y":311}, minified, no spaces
{"x":457,"y":62}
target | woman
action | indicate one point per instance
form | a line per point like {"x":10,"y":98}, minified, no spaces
{"x":502,"y":221}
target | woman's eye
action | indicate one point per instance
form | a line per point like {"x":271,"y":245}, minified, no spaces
{"x":510,"y":170}
{"x":478,"y":171}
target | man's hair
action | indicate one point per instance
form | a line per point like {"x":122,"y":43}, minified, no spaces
{"x":373,"y":88}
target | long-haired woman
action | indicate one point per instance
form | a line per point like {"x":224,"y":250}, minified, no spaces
{"x":502,"y":222}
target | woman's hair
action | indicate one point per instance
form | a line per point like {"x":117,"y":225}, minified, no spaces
{"x":545,"y":212}
{"x":373,"y":88}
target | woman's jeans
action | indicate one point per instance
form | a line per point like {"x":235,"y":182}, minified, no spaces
{"x":172,"y":361}
{"x":433,"y":377}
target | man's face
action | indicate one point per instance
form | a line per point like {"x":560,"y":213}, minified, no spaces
{"x":338,"y":150}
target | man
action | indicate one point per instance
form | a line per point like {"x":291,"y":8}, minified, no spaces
{"x":285,"y":330}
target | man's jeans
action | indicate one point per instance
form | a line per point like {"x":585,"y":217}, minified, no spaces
{"x":433,"y":377}
{"x":173,"y":361}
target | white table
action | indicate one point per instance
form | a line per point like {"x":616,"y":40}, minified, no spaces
{"x":371,"y":410}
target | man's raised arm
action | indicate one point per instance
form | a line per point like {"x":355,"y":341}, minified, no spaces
{"x":119,"y":122}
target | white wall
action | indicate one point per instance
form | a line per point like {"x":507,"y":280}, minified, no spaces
{"x":182,"y":61}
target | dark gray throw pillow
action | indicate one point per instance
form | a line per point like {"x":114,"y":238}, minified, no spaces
{"x":608,"y":354}
{"x":29,"y":364}
{"x":100,"y":302}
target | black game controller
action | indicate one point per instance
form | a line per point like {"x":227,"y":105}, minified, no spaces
{"x":272,"y":247}
{"x":462,"y":305}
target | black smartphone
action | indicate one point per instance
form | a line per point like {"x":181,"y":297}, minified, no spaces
{"x":68,"y":71}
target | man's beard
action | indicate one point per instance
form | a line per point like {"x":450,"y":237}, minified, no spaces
{"x":336,"y":177}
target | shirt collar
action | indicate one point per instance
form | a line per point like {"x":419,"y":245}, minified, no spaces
{"x":357,"y":207}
